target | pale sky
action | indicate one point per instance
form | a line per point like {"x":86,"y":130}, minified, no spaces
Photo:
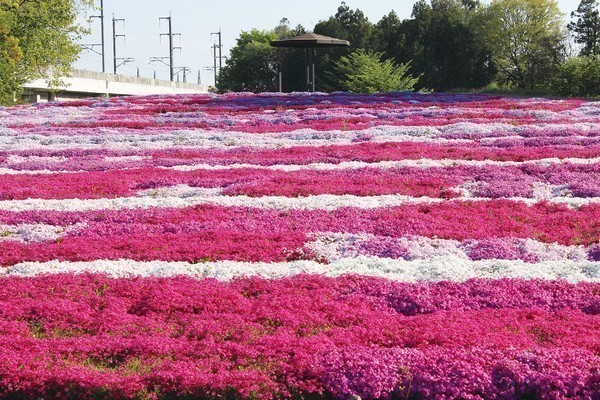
{"x":196,"y":19}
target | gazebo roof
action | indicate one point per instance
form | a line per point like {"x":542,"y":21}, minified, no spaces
{"x":310,"y":40}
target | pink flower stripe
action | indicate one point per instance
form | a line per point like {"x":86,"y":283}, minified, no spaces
{"x":121,"y":183}
{"x":248,"y":234}
{"x":309,"y":335}
{"x":489,"y":181}
{"x":89,"y":160}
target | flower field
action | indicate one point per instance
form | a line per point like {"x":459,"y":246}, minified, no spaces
{"x":300,"y":246}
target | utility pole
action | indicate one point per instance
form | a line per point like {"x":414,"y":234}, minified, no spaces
{"x":185,"y":70}
{"x":220,"y":51}
{"x":214,"y":47}
{"x":171,"y":47}
{"x":102,"y":33}
{"x":220,"y":47}
{"x":199,"y":78}
{"x":124,"y":60}
{"x":90,"y":47}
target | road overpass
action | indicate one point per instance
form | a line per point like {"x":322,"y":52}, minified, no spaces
{"x":85,"y":83}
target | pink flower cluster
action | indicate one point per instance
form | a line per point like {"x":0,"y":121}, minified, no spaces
{"x":413,"y":187}
{"x":248,"y":234}
{"x":88,"y":335}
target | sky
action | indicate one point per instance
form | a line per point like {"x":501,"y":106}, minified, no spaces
{"x":195,"y":20}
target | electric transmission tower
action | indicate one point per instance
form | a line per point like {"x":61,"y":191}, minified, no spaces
{"x":90,"y":47}
{"x":220,"y":56}
{"x":123,"y":60}
{"x":170,"y":34}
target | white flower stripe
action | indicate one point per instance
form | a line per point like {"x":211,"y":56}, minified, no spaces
{"x":183,"y":196}
{"x":345,"y":165}
{"x":446,"y":268}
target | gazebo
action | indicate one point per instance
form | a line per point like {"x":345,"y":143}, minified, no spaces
{"x":310,"y":41}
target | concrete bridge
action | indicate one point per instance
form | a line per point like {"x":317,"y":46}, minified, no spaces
{"x":85,"y":83}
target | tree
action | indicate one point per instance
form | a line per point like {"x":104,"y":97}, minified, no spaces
{"x":38,"y":39}
{"x":578,"y":76}
{"x":587,"y":27}
{"x":387,"y":37}
{"x":252,"y":64}
{"x":442,"y":43}
{"x":363,"y":72}
{"x":446,"y":48}
{"x":347,"y":24}
{"x":527,"y":40}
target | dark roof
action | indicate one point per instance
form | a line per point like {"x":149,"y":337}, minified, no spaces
{"x":310,"y":40}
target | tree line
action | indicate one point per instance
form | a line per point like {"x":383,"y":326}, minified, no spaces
{"x":445,"y":45}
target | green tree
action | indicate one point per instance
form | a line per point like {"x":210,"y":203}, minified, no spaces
{"x":577,"y":77}
{"x":347,"y":24}
{"x":362,"y":72}
{"x":441,"y":40}
{"x":527,"y":40}
{"x":387,"y":35}
{"x":252,"y":64}
{"x":446,"y":48}
{"x":38,"y":39}
{"x":587,"y":27}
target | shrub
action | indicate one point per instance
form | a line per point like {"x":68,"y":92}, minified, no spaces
{"x":578,"y":77}
{"x":363,"y":72}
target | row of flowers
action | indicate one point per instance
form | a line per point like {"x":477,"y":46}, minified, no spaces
{"x":367,"y":152}
{"x":87,"y":335}
{"x":332,"y":246}
{"x":493,"y":182}
{"x":431,"y":269}
{"x":291,"y":111}
{"x":251,"y":234}
{"x":122,"y":139}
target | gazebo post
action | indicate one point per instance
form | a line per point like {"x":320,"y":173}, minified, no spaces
{"x":312,"y":67}
{"x":307,"y":65}
{"x":280,"y":81}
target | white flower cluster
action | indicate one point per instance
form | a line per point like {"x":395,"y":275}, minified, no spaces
{"x":438,"y":268}
{"x":334,"y":246}
{"x":36,"y":233}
